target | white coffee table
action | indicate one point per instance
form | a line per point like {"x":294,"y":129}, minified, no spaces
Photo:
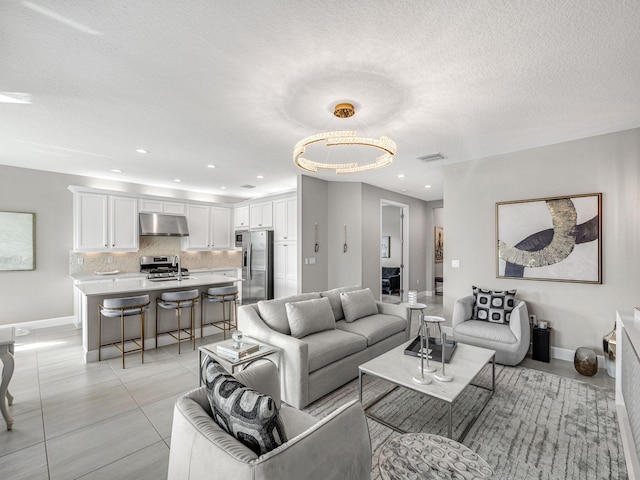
{"x":399,"y":369}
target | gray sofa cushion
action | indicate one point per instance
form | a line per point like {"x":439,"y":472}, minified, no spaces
{"x":493,"y":306}
{"x":332,"y":345}
{"x":310,"y":316}
{"x":495,"y":332}
{"x":334,"y":297}
{"x":358,"y":304}
{"x":251,"y":417}
{"x":274,"y":312}
{"x":374,"y":327}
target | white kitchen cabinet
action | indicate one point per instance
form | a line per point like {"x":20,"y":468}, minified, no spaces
{"x":285,"y":221}
{"x":209,"y":228}
{"x":261,"y":215}
{"x":159,"y":206}
{"x":285,"y":269}
{"x":241,"y":218}
{"x":105,"y":223}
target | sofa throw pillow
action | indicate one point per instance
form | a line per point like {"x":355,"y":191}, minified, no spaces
{"x":274,"y":312}
{"x":358,"y":304}
{"x":310,"y":316}
{"x":334,"y":297}
{"x":493,"y":306}
{"x":251,"y":417}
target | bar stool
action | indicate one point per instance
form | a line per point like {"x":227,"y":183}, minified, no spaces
{"x":123,"y":307}
{"x":221,"y":295}
{"x":178,"y":301}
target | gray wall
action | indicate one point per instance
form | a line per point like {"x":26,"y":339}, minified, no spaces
{"x":313,"y":203}
{"x":47,"y":292}
{"x":578,"y":313}
{"x":345,"y":208}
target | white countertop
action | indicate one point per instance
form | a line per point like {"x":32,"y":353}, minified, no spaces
{"x":127,"y":284}
{"x":117,"y":277}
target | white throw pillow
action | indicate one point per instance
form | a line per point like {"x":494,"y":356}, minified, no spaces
{"x":358,"y":304}
{"x":310,"y":316}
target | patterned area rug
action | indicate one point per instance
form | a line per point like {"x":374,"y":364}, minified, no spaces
{"x":536,"y":426}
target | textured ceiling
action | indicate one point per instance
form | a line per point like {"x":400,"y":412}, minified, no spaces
{"x":238,"y":83}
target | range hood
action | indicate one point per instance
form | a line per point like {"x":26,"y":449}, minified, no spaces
{"x":158,"y":224}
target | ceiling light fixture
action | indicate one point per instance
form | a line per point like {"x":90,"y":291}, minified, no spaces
{"x":402,"y":175}
{"x":211,"y":166}
{"x":116,"y":170}
{"x":15,"y":97}
{"x":427,"y":186}
{"x":347,"y":138}
{"x":142,"y":150}
{"x":177,"y":180}
{"x":223,"y":188}
{"x":260,"y":176}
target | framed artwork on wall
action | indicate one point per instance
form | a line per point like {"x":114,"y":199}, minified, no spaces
{"x":438,"y":247}
{"x":17,"y":241}
{"x":385,"y":246}
{"x":554,"y":239}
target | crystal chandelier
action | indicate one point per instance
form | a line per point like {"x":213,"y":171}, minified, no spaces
{"x":344,"y":137}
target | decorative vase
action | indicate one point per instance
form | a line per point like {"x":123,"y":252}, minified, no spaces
{"x":585,"y":361}
{"x":609,"y":348}
{"x":237,"y":339}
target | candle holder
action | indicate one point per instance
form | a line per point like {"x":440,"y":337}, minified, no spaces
{"x":423,"y":352}
{"x":443,"y":377}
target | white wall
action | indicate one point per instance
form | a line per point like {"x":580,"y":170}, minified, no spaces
{"x":345,"y":208}
{"x":392,"y":227}
{"x":313,"y":204}
{"x":578,"y":313}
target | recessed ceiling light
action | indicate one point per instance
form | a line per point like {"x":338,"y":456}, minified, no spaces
{"x":15,"y":97}
{"x":427,"y":186}
{"x":223,"y":188}
{"x":401,"y":175}
{"x":142,"y":150}
{"x":211,"y":166}
{"x":404,"y":191}
{"x":116,"y":170}
{"x":177,"y":180}
{"x":260,"y":176}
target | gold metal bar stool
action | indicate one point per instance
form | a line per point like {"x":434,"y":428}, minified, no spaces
{"x":178,"y":301}
{"x":123,"y":307}
{"x":221,"y":295}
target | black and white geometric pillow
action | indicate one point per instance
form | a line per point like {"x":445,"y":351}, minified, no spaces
{"x":493,"y":306}
{"x":251,"y":417}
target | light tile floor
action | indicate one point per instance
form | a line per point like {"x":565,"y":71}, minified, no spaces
{"x":98,"y":421}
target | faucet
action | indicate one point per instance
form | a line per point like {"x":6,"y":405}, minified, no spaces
{"x":176,"y":261}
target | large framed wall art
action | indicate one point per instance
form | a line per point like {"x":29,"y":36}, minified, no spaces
{"x":17,"y":241}
{"x":555,"y":239}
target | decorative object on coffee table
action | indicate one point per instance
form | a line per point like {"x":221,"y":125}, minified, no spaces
{"x":443,"y":377}
{"x":609,"y":349}
{"x":585,"y":361}
{"x":426,"y":456}
{"x":423,"y":352}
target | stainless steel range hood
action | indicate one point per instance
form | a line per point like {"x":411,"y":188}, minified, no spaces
{"x":158,"y":224}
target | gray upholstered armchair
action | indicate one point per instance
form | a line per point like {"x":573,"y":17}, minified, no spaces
{"x":509,"y":340}
{"x":335,"y":447}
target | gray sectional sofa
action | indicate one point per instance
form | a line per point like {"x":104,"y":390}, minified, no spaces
{"x":324,"y":337}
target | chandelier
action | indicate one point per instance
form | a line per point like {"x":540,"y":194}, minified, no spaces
{"x":344,"y":137}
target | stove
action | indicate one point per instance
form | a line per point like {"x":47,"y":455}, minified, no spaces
{"x":159,"y":268}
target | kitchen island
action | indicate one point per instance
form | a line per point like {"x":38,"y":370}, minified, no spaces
{"x":92,"y":294}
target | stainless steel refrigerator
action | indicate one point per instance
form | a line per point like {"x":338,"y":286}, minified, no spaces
{"x":257,"y":266}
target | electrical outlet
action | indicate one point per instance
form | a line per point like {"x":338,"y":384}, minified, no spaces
{"x":109,"y":259}
{"x":455,"y":263}
{"x":80,"y":261}
{"x":533,"y":319}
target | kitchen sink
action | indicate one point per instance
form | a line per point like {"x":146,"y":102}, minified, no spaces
{"x":169,"y":279}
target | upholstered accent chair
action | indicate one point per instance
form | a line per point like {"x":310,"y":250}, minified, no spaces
{"x":510,"y":340}
{"x":337,"y":447}
{"x":390,"y":280}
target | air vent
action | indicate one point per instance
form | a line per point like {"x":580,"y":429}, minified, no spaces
{"x":432,"y":158}
{"x":248,"y":186}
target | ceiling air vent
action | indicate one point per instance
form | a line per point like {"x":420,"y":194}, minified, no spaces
{"x":432,"y":157}
{"x":248,"y":186}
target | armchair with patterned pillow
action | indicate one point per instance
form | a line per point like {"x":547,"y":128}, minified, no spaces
{"x":494,"y":320}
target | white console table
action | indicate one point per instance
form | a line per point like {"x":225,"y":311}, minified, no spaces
{"x":628,"y":388}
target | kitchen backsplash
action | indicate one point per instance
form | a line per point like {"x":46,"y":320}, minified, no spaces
{"x":129,"y":262}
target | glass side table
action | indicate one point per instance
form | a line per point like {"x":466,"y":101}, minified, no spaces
{"x":230,"y":364}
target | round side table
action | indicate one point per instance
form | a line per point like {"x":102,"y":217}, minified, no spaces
{"x":425,"y":456}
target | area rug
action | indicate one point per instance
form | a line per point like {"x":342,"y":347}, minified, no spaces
{"x":536,"y":426}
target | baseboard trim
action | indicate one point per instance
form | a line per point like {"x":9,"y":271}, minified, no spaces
{"x":48,"y":322}
{"x":567,"y":355}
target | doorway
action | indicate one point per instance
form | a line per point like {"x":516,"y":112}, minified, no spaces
{"x":394,"y":251}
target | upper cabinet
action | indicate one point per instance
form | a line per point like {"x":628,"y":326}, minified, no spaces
{"x":209,"y":228}
{"x":159,"y":206}
{"x":261,"y":215}
{"x":285,"y":219}
{"x":241,"y":218}
{"x":105,"y":223}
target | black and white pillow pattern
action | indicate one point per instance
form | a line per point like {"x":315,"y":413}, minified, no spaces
{"x":251,"y":417}
{"x":490,"y":306}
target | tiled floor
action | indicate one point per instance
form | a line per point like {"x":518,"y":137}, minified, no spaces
{"x":97,"y":421}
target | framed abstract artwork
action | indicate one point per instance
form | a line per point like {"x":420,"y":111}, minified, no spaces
{"x":385,"y":246}
{"x":17,"y":241}
{"x":438,"y":247}
{"x":554,"y":239}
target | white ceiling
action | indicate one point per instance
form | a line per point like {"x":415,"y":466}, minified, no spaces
{"x":238,"y":83}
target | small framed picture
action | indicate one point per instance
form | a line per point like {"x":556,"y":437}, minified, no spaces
{"x":385,"y":246}
{"x":18,"y":241}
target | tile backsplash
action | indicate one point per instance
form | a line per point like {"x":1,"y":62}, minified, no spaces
{"x":129,"y":262}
